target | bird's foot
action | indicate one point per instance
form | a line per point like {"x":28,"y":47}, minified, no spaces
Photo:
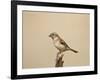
{"x":60,"y":56}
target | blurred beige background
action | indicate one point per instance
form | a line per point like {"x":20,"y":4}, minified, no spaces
{"x":38,"y":49}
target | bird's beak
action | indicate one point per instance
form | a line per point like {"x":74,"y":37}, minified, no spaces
{"x":49,"y":35}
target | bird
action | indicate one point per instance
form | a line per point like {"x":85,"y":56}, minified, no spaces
{"x":60,"y":44}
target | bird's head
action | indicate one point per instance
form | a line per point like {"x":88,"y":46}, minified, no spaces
{"x":53,"y":35}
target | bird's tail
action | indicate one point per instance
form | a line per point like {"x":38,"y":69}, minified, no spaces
{"x":74,"y":50}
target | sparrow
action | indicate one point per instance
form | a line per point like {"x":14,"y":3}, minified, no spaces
{"x":60,"y":44}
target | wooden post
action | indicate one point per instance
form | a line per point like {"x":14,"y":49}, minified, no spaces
{"x":59,"y":60}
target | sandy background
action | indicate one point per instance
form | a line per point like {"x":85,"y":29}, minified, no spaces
{"x":38,"y":49}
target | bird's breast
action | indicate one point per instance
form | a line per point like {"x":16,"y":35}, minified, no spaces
{"x":58,"y":45}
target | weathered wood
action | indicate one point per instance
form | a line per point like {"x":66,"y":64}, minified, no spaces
{"x":59,"y":60}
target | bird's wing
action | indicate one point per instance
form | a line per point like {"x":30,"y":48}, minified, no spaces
{"x":64,"y":43}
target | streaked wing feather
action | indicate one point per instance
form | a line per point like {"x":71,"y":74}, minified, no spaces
{"x":63,"y":43}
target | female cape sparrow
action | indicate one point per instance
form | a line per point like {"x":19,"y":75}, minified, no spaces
{"x":60,"y":44}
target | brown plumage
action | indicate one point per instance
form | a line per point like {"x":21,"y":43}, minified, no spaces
{"x":60,"y":44}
